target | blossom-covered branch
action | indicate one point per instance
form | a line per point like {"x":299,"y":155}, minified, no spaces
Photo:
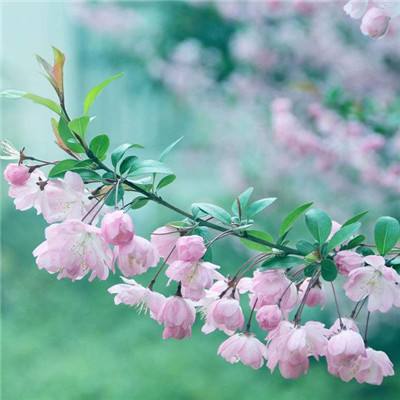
{"x":86,"y":199}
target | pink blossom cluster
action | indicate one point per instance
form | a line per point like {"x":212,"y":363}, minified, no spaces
{"x":77,"y":243}
{"x":335,"y":142}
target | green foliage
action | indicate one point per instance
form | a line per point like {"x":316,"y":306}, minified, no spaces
{"x":283,"y":262}
{"x":305,"y":247}
{"x":243,"y":200}
{"x":43,"y":101}
{"x":167,"y":180}
{"x":214,"y":211}
{"x":319,"y":224}
{"x":79,"y":125}
{"x":93,"y":93}
{"x":139,"y":202}
{"x":145,"y":167}
{"x":257,"y":246}
{"x":387,"y":234}
{"x":356,"y":218}
{"x":68,"y":138}
{"x":342,"y":235}
{"x":62,"y":167}
{"x":120,"y":151}
{"x":114,"y":196}
{"x":328,"y":270}
{"x":356,"y":241}
{"x":99,"y":146}
{"x":259,"y":206}
{"x":291,"y":218}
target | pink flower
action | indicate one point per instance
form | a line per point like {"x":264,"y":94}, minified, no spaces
{"x":133,"y":294}
{"x":224,"y":314}
{"x":194,"y":276}
{"x":136,"y":257}
{"x":16,"y":174}
{"x":343,"y":351}
{"x":117,"y":228}
{"x":245,"y":348}
{"x":57,"y":199}
{"x":177,"y":315}
{"x":315,"y":296}
{"x":269,"y":317}
{"x":272,"y":287}
{"x":27,"y":195}
{"x":378,"y":282}
{"x":64,"y":199}
{"x":356,"y":8}
{"x":72,"y":249}
{"x":190,"y":248}
{"x":375,"y":22}
{"x":347,"y":260}
{"x":373,"y":367}
{"x":290,"y":346}
{"x":347,"y":323}
{"x":164,"y":240}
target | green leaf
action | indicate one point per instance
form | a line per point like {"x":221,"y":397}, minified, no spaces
{"x":305,"y":247}
{"x":79,"y":125}
{"x":120,"y":151}
{"x":168,"y":149}
{"x":291,"y":218}
{"x":258,"y":206}
{"x":43,"y":101}
{"x":87,"y":174}
{"x":94,"y":92}
{"x":387,"y":234}
{"x":145,"y":167}
{"x":99,"y":146}
{"x":311,"y":269}
{"x":257,"y":246}
{"x":279,"y":262}
{"x":365,"y":251}
{"x":343,"y":234}
{"x":356,"y":218}
{"x":244,"y":198}
{"x":112,"y":198}
{"x":68,"y":138}
{"x":354,"y":242}
{"x":319,"y":224}
{"x":328,"y":270}
{"x":167,"y":180}
{"x":139,"y":202}
{"x":215,"y":211}
{"x":128,"y":165}
{"x":62,"y":167}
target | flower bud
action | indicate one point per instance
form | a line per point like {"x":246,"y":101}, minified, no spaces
{"x":16,"y":174}
{"x":268,"y":317}
{"x":347,"y":260}
{"x":375,"y":23}
{"x":117,"y":228}
{"x":190,"y":248}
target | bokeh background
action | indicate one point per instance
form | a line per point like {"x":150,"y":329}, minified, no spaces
{"x":288,"y":97}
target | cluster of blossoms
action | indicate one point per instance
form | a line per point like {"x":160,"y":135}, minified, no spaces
{"x":91,"y":233}
{"x":75,"y":248}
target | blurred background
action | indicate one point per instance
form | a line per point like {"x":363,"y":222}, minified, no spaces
{"x":288,"y":97}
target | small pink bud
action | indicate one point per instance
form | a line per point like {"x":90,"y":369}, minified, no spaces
{"x":16,"y":174}
{"x":190,"y":248}
{"x":164,"y":239}
{"x":347,"y":260}
{"x":375,"y":23}
{"x":117,"y":228}
{"x":268,"y":317}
